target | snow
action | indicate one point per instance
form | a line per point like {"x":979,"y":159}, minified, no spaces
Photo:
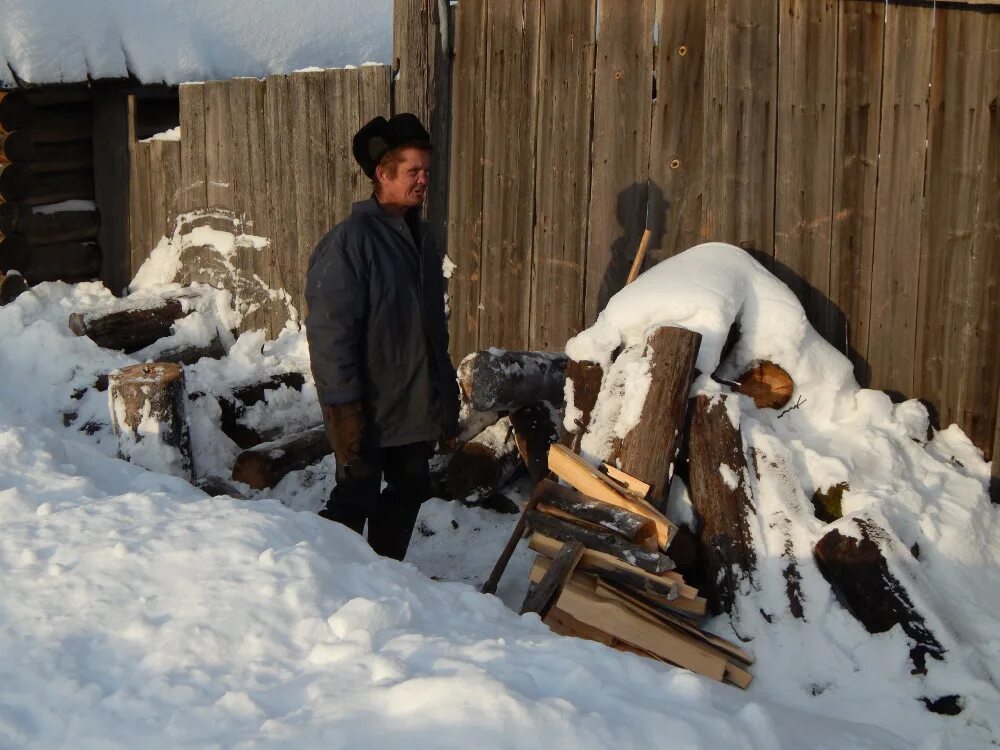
{"x":171,"y":41}
{"x":71,"y":205}
{"x":173,"y":134}
{"x":136,"y":611}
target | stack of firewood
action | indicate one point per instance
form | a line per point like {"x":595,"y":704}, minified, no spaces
{"x":602,"y":572}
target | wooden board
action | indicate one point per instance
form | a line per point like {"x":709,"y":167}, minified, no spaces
{"x":220,"y":189}
{"x":164,"y":184}
{"x":193,"y":194}
{"x":623,"y":87}
{"x":956,"y":301}
{"x":806,"y":113}
{"x":562,"y":175}
{"x":626,"y":480}
{"x":855,"y":160}
{"x":676,"y":159}
{"x":111,"y":186}
{"x":287,"y":271}
{"x":741,"y":79}
{"x":374,"y":99}
{"x":508,"y":175}
{"x":465,"y":214}
{"x":410,"y":57}
{"x":571,"y":468}
{"x":542,"y":595}
{"x":899,"y":196}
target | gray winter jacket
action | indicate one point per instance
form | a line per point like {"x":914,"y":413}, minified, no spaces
{"x":377,"y":330}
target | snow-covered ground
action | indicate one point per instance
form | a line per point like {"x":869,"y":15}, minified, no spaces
{"x":135,"y":611}
{"x":171,"y":41}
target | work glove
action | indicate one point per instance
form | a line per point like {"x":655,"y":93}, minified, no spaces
{"x":345,"y":426}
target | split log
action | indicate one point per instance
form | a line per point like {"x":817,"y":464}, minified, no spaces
{"x":11,"y":285}
{"x":858,"y":573}
{"x":16,"y":182}
{"x":147,"y":412}
{"x":627,"y":480}
{"x":267,"y":464}
{"x":472,"y":422}
{"x":16,"y":147}
{"x":559,"y":501}
{"x":500,"y":380}
{"x":575,"y":471}
{"x":13,"y":216}
{"x":542,"y":595}
{"x":55,"y":187}
{"x":768,"y":385}
{"x":648,"y":450}
{"x":484,"y":465}
{"x":62,"y":157}
{"x":601,"y":541}
{"x":130,"y":328}
{"x":217,"y":486}
{"x":61,"y":226}
{"x":720,"y":496}
{"x":61,"y":261}
{"x":583,"y":380}
{"x":536,"y":427}
{"x":232,"y":406}
{"x":63,"y":123}
{"x":16,"y":111}
{"x":612,"y":568}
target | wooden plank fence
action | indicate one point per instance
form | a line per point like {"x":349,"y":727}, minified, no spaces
{"x":850,"y":145}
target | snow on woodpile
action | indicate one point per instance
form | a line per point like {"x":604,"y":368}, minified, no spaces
{"x":876,"y":585}
{"x":51,"y":41}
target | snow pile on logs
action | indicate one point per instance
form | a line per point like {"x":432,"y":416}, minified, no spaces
{"x":829,"y":528}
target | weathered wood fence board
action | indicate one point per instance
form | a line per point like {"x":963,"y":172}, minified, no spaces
{"x":849,"y":144}
{"x":562,"y":179}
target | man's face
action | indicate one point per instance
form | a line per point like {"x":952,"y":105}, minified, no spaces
{"x":405,"y":183}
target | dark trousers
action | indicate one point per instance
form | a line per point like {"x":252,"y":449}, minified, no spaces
{"x":391,"y":513}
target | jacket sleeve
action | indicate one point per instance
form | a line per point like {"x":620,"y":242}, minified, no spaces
{"x":337,"y":303}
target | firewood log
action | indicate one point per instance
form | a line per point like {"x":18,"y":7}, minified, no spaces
{"x":647,"y":452}
{"x":607,"y":542}
{"x":61,"y":226}
{"x":16,"y":111}
{"x":500,"y":380}
{"x":55,"y":187}
{"x":62,"y":157}
{"x":232,"y":406}
{"x":859,"y":574}
{"x":184,"y":354}
{"x":129,"y":329}
{"x":16,"y":147}
{"x":61,"y":261}
{"x":566,"y":500}
{"x":536,"y":427}
{"x":721,"y":499}
{"x":543,"y":594}
{"x":484,"y":465}
{"x":768,"y":385}
{"x":583,"y":379}
{"x":59,"y":124}
{"x":11,"y":285}
{"x":16,"y":181}
{"x":148,"y":417}
{"x":266,"y":464}
{"x":14,"y":216}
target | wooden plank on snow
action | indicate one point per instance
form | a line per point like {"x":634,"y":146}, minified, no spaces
{"x":508,"y":177}
{"x":562,"y":174}
{"x":623,"y":87}
{"x":859,"y":91}
{"x":807,"y":96}
{"x":465,"y":214}
{"x":899,"y":196}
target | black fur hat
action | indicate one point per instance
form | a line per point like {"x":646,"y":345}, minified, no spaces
{"x":379,"y":136}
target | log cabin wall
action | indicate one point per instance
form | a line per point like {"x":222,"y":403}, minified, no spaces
{"x":853,"y":146}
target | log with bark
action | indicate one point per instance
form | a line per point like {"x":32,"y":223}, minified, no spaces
{"x":484,"y":465}
{"x":566,"y":503}
{"x":601,"y":541}
{"x":11,"y":285}
{"x":129,"y":328}
{"x":59,"y":124}
{"x":148,"y":417}
{"x":583,"y":380}
{"x":502,"y":380}
{"x":543,"y":594}
{"x":16,"y":182}
{"x":858,"y":572}
{"x":61,"y":261}
{"x":16,"y":147}
{"x":536,"y":427}
{"x":62,"y":157}
{"x":233,"y":405}
{"x":60,"y":226}
{"x":266,"y":464}
{"x":183,"y":354}
{"x":720,"y":496}
{"x":16,"y":111}
{"x":647,"y":452}
{"x":767,"y":384}
{"x":14,"y":216}
{"x":55,"y":187}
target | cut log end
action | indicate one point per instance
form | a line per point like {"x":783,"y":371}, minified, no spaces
{"x":768,"y":385}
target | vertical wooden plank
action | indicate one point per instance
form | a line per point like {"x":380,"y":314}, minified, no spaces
{"x":741,"y":79}
{"x":562,"y":174}
{"x":372,"y":92}
{"x":411,"y":56}
{"x":676,"y":160}
{"x":343,"y":118}
{"x":807,"y":97}
{"x":167,"y":175}
{"x":955,"y":262}
{"x":285,"y":269}
{"x":219,"y":190}
{"x":191,"y":100}
{"x":439,"y":42}
{"x":465,"y":211}
{"x":111,"y":186}
{"x":859,"y":91}
{"x":623,"y":87}
{"x":899,"y":197}
{"x":141,"y":214}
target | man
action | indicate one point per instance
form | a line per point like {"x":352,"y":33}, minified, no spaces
{"x":378,"y":340}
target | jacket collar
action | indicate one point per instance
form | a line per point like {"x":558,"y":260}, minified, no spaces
{"x":372,"y":207}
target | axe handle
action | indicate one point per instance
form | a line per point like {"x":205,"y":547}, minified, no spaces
{"x":639,"y":256}
{"x":490,"y":587}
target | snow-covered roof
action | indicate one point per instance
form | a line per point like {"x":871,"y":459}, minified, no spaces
{"x":51,"y":41}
